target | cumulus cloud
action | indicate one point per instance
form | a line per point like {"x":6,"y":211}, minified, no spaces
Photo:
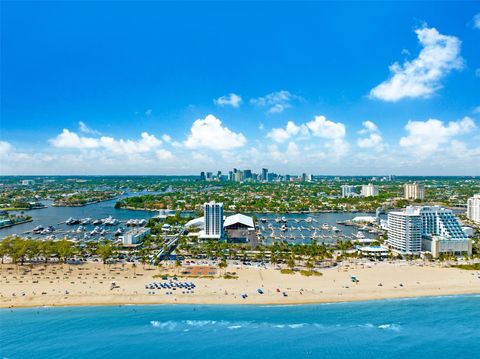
{"x":283,"y":134}
{"x":209,"y":133}
{"x":231,"y":99}
{"x":276,"y":102}
{"x":72,"y":140}
{"x":5,"y":148}
{"x":476,"y":21}
{"x":321,"y":127}
{"x":421,"y":77}
{"x":425,"y":137}
{"x":374,"y":138}
{"x":163,"y":154}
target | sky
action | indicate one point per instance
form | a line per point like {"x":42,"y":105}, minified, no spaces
{"x":138,"y":88}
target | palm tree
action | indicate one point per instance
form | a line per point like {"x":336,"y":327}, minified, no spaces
{"x":105,"y":251}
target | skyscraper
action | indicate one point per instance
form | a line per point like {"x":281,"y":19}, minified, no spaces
{"x":473,"y":208}
{"x":414,"y":191}
{"x":202,"y":176}
{"x":213,"y":219}
{"x":264,"y":174}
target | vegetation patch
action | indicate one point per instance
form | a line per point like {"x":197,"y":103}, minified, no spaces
{"x":287,"y":271}
{"x":474,"y":266}
{"x":309,"y":273}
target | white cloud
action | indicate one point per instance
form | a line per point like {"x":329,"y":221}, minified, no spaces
{"x":321,"y":127}
{"x":72,"y":140}
{"x":476,"y":109}
{"x":283,"y":134}
{"x":231,"y":99}
{"x":69,"y":139}
{"x":425,"y":137}
{"x":5,"y":148}
{"x":166,"y":138}
{"x":164,"y":154}
{"x":476,"y":21}
{"x":148,"y":112}
{"x":209,"y":133}
{"x":82,"y":126}
{"x":421,"y":77}
{"x":276,"y":101}
{"x":374,"y":138}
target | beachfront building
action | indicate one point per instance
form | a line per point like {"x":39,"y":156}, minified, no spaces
{"x":405,"y":231}
{"x":429,"y":228}
{"x":213,"y":220}
{"x":414,"y":191}
{"x":473,"y":208}
{"x":239,"y":228}
{"x":369,"y":190}
{"x":348,"y":191}
{"x":134,"y":236}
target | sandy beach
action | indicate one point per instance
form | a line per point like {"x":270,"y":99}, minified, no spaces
{"x":91,"y":284}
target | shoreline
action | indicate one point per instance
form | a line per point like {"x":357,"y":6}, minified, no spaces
{"x":273,"y":304}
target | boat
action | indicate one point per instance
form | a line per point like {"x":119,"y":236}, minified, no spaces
{"x":71,"y":221}
{"x":364,"y":228}
{"x":263,"y":220}
{"x":335,"y":229}
{"x":97,"y":222}
{"x":85,"y":221}
{"x":38,"y":229}
{"x":325,"y":227}
{"x":309,"y":220}
{"x":284,"y":220}
{"x":359,"y":235}
{"x":119,"y":232}
{"x":283,"y":228}
{"x":278,"y":219}
{"x":110,"y":221}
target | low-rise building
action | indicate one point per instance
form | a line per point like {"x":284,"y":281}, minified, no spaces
{"x":133,"y":236}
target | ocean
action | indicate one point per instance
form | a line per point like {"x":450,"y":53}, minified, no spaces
{"x":438,"y":327}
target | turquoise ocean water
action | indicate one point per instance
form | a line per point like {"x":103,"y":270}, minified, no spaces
{"x":438,"y":327}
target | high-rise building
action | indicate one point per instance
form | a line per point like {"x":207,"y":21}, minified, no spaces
{"x":414,"y":191}
{"x":405,"y":231}
{"x":202,"y":176}
{"x":247,"y":174}
{"x":231,"y":176}
{"x":369,"y":190}
{"x":440,"y":231}
{"x":238,"y":176}
{"x":209,"y":176}
{"x":348,"y":191}
{"x":213,"y":219}
{"x":473,"y":208}
{"x":264,"y":174}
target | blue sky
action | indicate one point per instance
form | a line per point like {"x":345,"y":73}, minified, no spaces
{"x":165,"y":88}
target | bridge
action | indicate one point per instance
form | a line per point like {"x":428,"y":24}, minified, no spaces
{"x":169,"y":246}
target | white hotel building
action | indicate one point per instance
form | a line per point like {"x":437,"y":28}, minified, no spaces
{"x":369,"y":190}
{"x":348,"y":191}
{"x":414,"y":191}
{"x":213,"y":220}
{"x":429,"y":228}
{"x":473,"y":208}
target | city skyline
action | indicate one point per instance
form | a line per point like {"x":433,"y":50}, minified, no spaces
{"x":321,"y":88}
